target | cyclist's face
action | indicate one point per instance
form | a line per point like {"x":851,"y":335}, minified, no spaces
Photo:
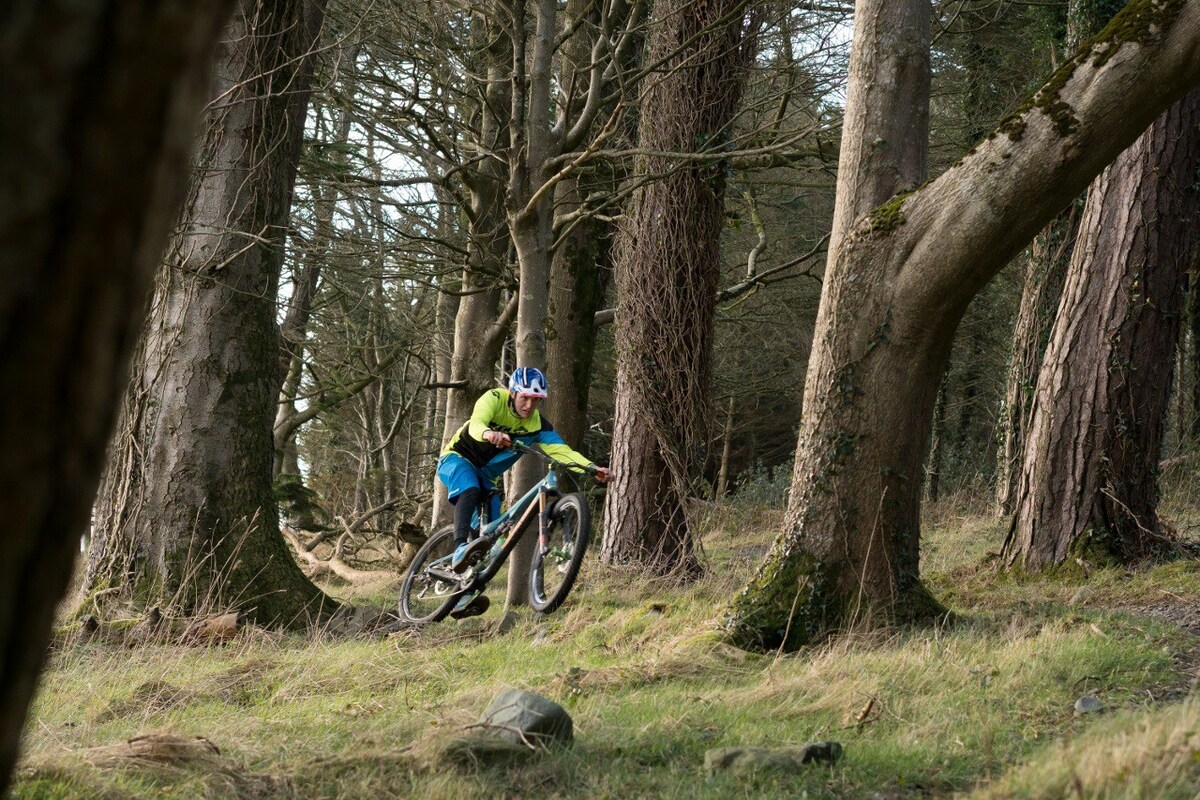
{"x":525,"y":405}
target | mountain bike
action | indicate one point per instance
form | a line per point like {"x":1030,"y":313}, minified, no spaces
{"x":431,"y":589}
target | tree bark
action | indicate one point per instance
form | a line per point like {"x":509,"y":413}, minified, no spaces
{"x":668,"y":266}
{"x":898,"y":281}
{"x":1045,"y":270}
{"x":186,"y":514}
{"x":937,"y":442}
{"x":1088,"y":483}
{"x":576,"y":294}
{"x":1044,"y":273}
{"x":107,"y":95}
{"x":543,"y":128}
{"x":1194,"y":318}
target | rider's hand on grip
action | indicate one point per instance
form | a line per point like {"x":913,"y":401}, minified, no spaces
{"x":497,"y":438}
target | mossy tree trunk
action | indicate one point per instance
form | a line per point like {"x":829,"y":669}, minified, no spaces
{"x":107,"y":95}
{"x":667,"y":269}
{"x":898,"y":280}
{"x":1088,"y":482}
{"x":186,"y":514}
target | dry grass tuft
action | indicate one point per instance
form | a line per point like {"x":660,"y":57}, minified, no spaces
{"x":1153,"y":754}
{"x":164,"y":758}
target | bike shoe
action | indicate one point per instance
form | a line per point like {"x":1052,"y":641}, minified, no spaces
{"x":470,"y":606}
{"x":465,"y":554}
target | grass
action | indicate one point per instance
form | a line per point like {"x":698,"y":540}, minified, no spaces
{"x":983,"y":705}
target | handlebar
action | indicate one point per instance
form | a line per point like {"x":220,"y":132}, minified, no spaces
{"x":524,"y":448}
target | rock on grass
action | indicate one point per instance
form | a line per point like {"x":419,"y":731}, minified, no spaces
{"x":527,"y":718}
{"x":788,"y":760}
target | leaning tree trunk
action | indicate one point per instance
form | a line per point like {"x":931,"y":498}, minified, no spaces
{"x":1088,"y":482}
{"x":898,"y":280}
{"x":667,"y":269}
{"x":1045,"y":270}
{"x":186,"y":514}
{"x":107,"y":95}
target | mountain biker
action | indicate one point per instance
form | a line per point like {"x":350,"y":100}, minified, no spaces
{"x":477,"y":455}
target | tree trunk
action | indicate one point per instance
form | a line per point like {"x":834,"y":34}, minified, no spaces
{"x":107,"y":95}
{"x":1195,"y":350}
{"x":898,"y":280}
{"x":576,"y":294}
{"x":581,"y":262}
{"x":294,"y":328}
{"x":1089,"y":478}
{"x":1044,"y":274}
{"x":726,"y":447}
{"x":667,"y":272}
{"x":531,"y":221}
{"x":1045,"y":271}
{"x":186,"y":514}
{"x":937,"y":442}
{"x":479,"y":329}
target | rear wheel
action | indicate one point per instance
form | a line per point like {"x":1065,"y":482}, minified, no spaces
{"x":556,"y":565}
{"x":425,"y":597}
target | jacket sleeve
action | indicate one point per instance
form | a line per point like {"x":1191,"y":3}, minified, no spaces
{"x":486,"y":408}
{"x":550,"y":443}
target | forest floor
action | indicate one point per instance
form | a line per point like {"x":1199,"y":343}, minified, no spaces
{"x":982,"y":706}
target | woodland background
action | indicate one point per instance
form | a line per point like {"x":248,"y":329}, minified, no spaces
{"x":685,"y":212}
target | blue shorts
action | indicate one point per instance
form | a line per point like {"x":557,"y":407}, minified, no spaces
{"x":459,"y":475}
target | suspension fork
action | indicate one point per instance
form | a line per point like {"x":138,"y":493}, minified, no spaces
{"x":548,"y":491}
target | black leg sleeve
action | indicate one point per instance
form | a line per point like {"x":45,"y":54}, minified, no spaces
{"x":464,"y":507}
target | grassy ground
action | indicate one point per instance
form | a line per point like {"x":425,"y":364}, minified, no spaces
{"x":981,"y":705}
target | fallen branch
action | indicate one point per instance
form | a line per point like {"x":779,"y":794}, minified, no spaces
{"x":335,"y":564}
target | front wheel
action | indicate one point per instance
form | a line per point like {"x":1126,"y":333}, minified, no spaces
{"x":425,"y":597}
{"x":556,"y":561}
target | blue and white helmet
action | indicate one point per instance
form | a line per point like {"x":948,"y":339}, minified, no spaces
{"x":528,"y":381}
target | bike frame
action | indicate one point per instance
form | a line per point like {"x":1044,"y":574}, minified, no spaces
{"x":522,"y":510}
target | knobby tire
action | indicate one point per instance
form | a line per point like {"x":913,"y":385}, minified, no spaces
{"x":571,"y":517}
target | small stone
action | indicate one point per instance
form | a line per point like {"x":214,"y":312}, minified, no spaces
{"x":1087,"y":705}
{"x":528,"y":718}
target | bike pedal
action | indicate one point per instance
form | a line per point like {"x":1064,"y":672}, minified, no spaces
{"x":472,"y":609}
